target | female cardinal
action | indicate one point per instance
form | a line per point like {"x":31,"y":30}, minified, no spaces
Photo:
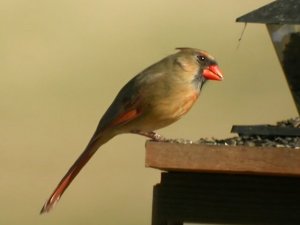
{"x":155,"y":98}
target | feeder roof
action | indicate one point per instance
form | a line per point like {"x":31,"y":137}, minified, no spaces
{"x":277,"y":12}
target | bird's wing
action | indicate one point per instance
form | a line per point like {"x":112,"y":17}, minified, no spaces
{"x":124,"y":108}
{"x":128,"y":103}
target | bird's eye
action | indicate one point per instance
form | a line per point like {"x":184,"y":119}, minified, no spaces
{"x":201,"y":58}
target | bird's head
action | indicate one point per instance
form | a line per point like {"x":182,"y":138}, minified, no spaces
{"x":199,"y":62}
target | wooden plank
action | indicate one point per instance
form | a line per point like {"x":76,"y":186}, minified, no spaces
{"x":223,"y":159}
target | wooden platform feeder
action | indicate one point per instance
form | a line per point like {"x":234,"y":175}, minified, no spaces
{"x":237,"y":184}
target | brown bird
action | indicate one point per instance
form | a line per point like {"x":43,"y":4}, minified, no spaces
{"x":155,"y":98}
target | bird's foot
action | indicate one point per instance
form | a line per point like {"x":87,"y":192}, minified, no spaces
{"x":150,"y":134}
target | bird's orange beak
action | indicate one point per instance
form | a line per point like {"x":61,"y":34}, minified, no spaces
{"x":213,"y":72}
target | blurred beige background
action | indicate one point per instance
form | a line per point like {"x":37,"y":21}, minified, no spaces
{"x":61,"y":65}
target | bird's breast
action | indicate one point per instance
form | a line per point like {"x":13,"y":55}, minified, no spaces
{"x":173,"y":106}
{"x":164,"y":102}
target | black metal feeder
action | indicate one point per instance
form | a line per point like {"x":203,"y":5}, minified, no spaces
{"x":282,"y":18}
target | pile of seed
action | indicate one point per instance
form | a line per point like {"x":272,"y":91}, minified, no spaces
{"x":254,"y":141}
{"x":260,"y":141}
{"x":294,"y":122}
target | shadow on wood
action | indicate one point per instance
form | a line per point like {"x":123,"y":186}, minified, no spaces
{"x":226,"y":199}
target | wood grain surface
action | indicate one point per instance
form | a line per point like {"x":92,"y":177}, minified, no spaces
{"x":223,"y":159}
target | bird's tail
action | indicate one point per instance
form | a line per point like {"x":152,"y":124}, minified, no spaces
{"x":89,"y":151}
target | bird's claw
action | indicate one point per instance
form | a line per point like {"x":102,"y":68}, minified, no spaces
{"x":150,"y":134}
{"x":158,"y":137}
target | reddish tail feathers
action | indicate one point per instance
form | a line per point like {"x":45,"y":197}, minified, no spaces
{"x":71,"y":174}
